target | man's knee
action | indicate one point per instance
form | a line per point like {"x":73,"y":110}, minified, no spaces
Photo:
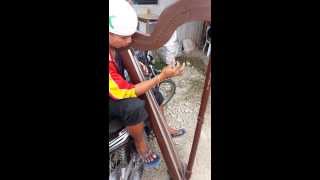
{"x":135,"y":111}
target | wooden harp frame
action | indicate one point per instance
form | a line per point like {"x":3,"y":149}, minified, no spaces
{"x":170,"y":19}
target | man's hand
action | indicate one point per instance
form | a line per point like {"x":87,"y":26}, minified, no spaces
{"x":144,"y":68}
{"x":170,"y":71}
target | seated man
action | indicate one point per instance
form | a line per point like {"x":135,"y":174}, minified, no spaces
{"x":124,"y":103}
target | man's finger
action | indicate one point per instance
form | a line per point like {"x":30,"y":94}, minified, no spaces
{"x":178,"y":65}
{"x":183,"y":66}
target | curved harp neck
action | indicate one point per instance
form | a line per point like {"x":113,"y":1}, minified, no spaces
{"x":170,"y":19}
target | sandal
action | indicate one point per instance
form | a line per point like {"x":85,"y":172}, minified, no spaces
{"x":151,"y":160}
{"x":179,"y":132}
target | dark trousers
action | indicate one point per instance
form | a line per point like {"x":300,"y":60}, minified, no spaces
{"x":131,"y":111}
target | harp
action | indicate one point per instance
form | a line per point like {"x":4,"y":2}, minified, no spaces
{"x":170,"y":19}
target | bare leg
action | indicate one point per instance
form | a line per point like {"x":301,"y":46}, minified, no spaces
{"x":137,"y":133}
{"x":171,"y":130}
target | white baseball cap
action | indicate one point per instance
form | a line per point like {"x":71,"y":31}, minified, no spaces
{"x":123,"y":19}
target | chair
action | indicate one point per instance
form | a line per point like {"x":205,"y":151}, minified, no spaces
{"x":208,"y":41}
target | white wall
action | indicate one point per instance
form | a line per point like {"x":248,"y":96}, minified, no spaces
{"x":191,"y":30}
{"x":156,"y":9}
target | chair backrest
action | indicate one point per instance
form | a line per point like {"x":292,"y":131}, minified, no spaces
{"x":208,"y":33}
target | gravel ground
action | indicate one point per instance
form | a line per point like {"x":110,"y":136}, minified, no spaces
{"x":182,"y":111}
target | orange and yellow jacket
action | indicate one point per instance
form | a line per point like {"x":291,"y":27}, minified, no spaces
{"x":119,"y":88}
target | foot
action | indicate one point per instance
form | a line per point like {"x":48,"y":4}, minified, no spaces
{"x":150,"y":159}
{"x":177,"y":132}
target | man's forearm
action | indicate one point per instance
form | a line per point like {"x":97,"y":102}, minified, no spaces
{"x":145,"y":86}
